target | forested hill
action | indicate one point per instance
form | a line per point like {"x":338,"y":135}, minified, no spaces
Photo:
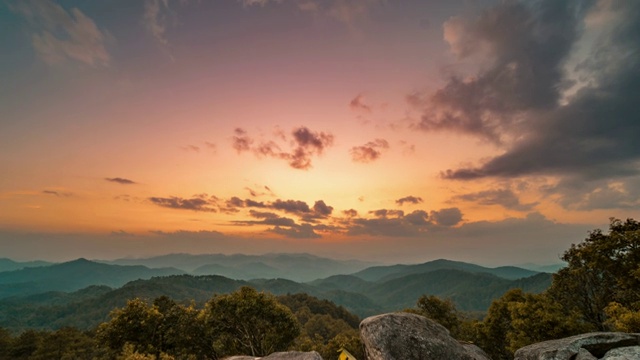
{"x":378,"y":273}
{"x":85,"y":309}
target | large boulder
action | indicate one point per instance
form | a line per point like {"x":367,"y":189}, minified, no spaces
{"x":287,"y":355}
{"x":623,"y":353}
{"x":578,"y":347}
{"x":404,"y":336}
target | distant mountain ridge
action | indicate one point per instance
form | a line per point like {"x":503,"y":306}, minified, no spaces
{"x":381,"y":273}
{"x":10,"y":265}
{"x":73,"y":275}
{"x":299,"y":267}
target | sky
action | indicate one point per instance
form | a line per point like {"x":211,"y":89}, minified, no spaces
{"x":495,"y":132}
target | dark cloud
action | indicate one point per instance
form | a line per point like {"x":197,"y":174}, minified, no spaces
{"x":57,"y":193}
{"x":409,"y":199}
{"x":417,"y":217}
{"x":446,"y":217}
{"x":308,"y":144}
{"x":322,"y":209}
{"x":555,"y":103}
{"x":350,"y":213}
{"x":503,"y":197}
{"x":370,"y":151}
{"x":122,"y":181}
{"x":241,"y":140}
{"x":304,"y":145}
{"x":358,"y":104}
{"x":525,"y":45}
{"x":255,"y":204}
{"x":122,"y":233}
{"x":291,"y":206}
{"x":383,"y":213}
{"x":197,"y":203}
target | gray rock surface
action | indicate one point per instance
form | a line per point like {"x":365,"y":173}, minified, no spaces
{"x":623,"y":353}
{"x":597,"y":344}
{"x":286,"y":355}
{"x":404,"y":336}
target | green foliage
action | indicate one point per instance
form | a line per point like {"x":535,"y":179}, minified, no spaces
{"x":250,"y":323}
{"x":622,"y":319}
{"x":442,"y":311}
{"x":605,"y":268}
{"x":317,"y":306}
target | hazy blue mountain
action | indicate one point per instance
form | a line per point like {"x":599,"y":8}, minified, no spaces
{"x":72,"y":276}
{"x":384,"y":273}
{"x":298,"y":267}
{"x":550,"y":268}
{"x":239,"y":272}
{"x":10,"y":265}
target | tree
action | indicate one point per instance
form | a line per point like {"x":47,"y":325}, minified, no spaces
{"x":622,"y":319}
{"x":605,"y":268}
{"x":247,"y":322}
{"x":442,"y":311}
{"x":136,"y":324}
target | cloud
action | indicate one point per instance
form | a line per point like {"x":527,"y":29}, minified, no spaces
{"x":409,"y":199}
{"x":304,"y":144}
{"x":155,"y":21}
{"x":383,"y":213}
{"x":57,"y":193}
{"x":556,"y":93}
{"x":291,"y":206}
{"x":192,"y":148}
{"x":120,"y":180}
{"x":196,"y":203}
{"x":241,"y":141}
{"x":446,"y":217}
{"x":211,"y":146}
{"x":61,"y":35}
{"x":370,"y":151}
{"x":350,"y":213}
{"x":304,"y":231}
{"x":347,"y":12}
{"x":503,"y":197}
{"x":358,"y":104}
{"x":322,"y":209}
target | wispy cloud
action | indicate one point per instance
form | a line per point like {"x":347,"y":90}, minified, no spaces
{"x":57,"y":193}
{"x":196,"y":203}
{"x":119,"y":180}
{"x":358,"y":104}
{"x":60,"y":35}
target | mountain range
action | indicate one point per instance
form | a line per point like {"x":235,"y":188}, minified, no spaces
{"x":81,"y":293}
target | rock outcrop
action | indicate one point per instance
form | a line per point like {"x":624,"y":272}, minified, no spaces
{"x":598,"y":345}
{"x":287,"y":355}
{"x":404,"y":336}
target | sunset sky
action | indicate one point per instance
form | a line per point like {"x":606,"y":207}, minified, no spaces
{"x":496,"y":132}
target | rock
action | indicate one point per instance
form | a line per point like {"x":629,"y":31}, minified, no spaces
{"x":404,"y":336}
{"x":597,"y":344}
{"x":585,"y":355}
{"x":286,"y":355}
{"x":294,"y":355}
{"x":623,"y":353}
